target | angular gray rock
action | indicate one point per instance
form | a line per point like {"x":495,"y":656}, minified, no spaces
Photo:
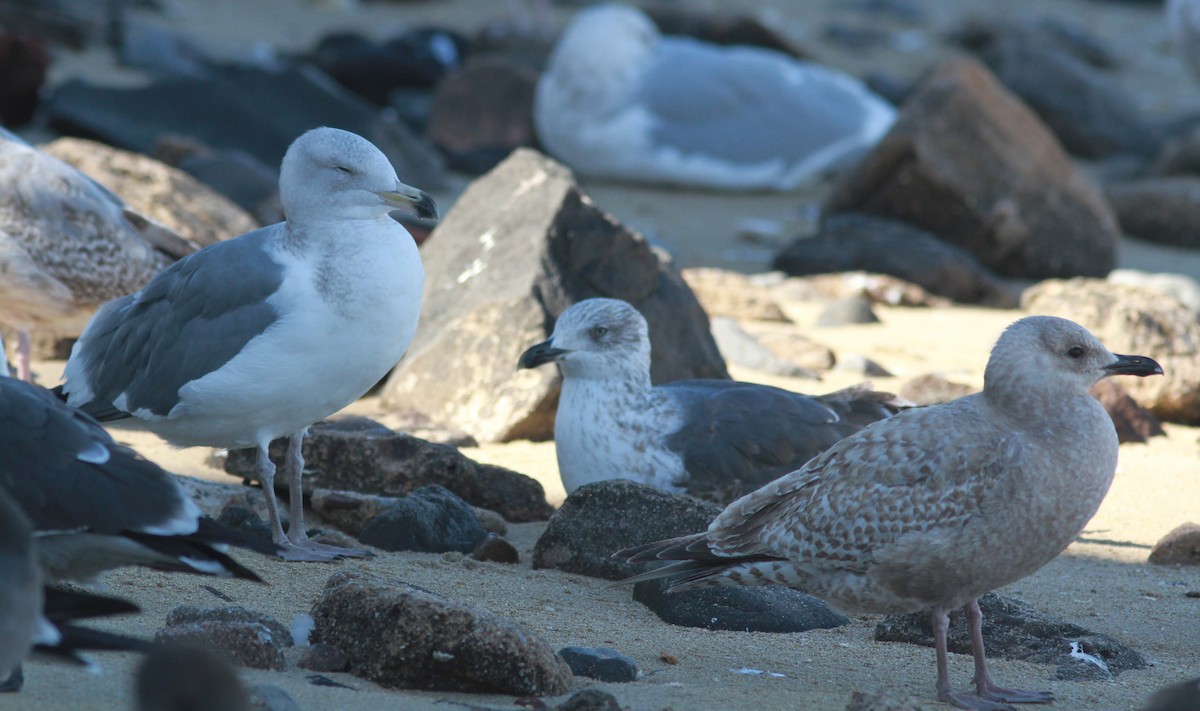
{"x":600,"y":663}
{"x":359,"y":454}
{"x":521,"y":245}
{"x":1131,"y":319}
{"x":1014,"y":630}
{"x":1164,"y":210}
{"x":744,"y":350}
{"x":158,"y":191}
{"x":969,"y":162}
{"x":852,"y":241}
{"x":401,"y":636}
{"x":849,"y":310}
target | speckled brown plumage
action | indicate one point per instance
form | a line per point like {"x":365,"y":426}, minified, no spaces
{"x":935,"y":506}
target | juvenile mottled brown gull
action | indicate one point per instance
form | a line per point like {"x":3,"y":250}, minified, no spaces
{"x":619,"y":100}
{"x":262,"y":335}
{"x":936,"y":506}
{"x":67,"y":245}
{"x":95,"y":504}
{"x":710,"y":437}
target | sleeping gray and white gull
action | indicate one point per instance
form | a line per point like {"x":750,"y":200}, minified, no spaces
{"x":97,"y":505}
{"x":260,"y":336}
{"x":67,"y":245}
{"x":935,"y":506}
{"x":715,"y":438}
{"x":619,"y":100}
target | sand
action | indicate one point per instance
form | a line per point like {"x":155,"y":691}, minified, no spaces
{"x":1101,"y":582}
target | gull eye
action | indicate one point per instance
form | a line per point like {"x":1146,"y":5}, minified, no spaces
{"x":598,"y":331}
{"x":342,"y":169}
{"x":1076,"y":352}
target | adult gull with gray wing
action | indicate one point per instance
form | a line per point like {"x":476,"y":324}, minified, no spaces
{"x":260,"y":336}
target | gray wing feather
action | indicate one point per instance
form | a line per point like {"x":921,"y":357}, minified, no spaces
{"x":191,"y":319}
{"x":739,"y":436}
{"x":747,"y":105}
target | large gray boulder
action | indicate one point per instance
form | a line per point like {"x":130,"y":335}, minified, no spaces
{"x":520,"y":246}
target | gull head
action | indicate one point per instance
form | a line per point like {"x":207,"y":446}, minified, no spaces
{"x":596,"y":338}
{"x":1049,"y":354}
{"x":330,"y":173}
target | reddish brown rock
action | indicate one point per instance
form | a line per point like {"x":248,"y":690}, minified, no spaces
{"x":1138,"y":321}
{"x":401,"y":636}
{"x":932,"y":389}
{"x":969,"y":162}
{"x":1179,"y":547}
{"x":1134,"y":423}
{"x":482,"y":111}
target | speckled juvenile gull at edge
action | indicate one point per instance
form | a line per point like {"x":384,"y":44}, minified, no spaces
{"x":935,"y":506}
{"x":260,"y":336}
{"x":717,"y":438}
{"x":67,"y":245}
{"x":619,"y":100}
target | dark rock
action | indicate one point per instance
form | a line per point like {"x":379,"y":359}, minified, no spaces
{"x":740,"y":609}
{"x":1180,"y":154}
{"x":725,"y":27}
{"x":1163,"y":210}
{"x":856,"y":36}
{"x":495,"y":549}
{"x":167,"y":195}
{"x":521,"y":245}
{"x":150,"y":46}
{"x":857,"y":242}
{"x":421,"y":57}
{"x":1184,"y":696}
{"x":600,"y":519}
{"x":932,"y":389}
{"x":599,"y":663}
{"x":1089,"y":111}
{"x":249,"y":644}
{"x":901,"y":10}
{"x":970,"y":163}
{"x":268,"y":697}
{"x":744,"y":350}
{"x":1139,"y":321}
{"x":1014,"y":630}
{"x":1134,"y":423}
{"x":482,"y":112}
{"x":216,"y":113}
{"x":852,"y":309}
{"x":1179,"y":547}
{"x":419,"y":425}
{"x":350,"y":511}
{"x":446,"y":645}
{"x":244,"y":520}
{"x":431,"y":520}
{"x":1050,"y":30}
{"x":592,"y":699}
{"x":358,"y":454}
{"x":188,"y":614}
{"x":322,"y":657}
{"x":248,"y":182}
{"x":24,"y":59}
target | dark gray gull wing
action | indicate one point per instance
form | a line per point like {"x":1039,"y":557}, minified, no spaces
{"x":21,"y":595}
{"x":738,"y":436}
{"x":95,"y":503}
{"x":192,"y":318}
{"x":748,"y":105}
